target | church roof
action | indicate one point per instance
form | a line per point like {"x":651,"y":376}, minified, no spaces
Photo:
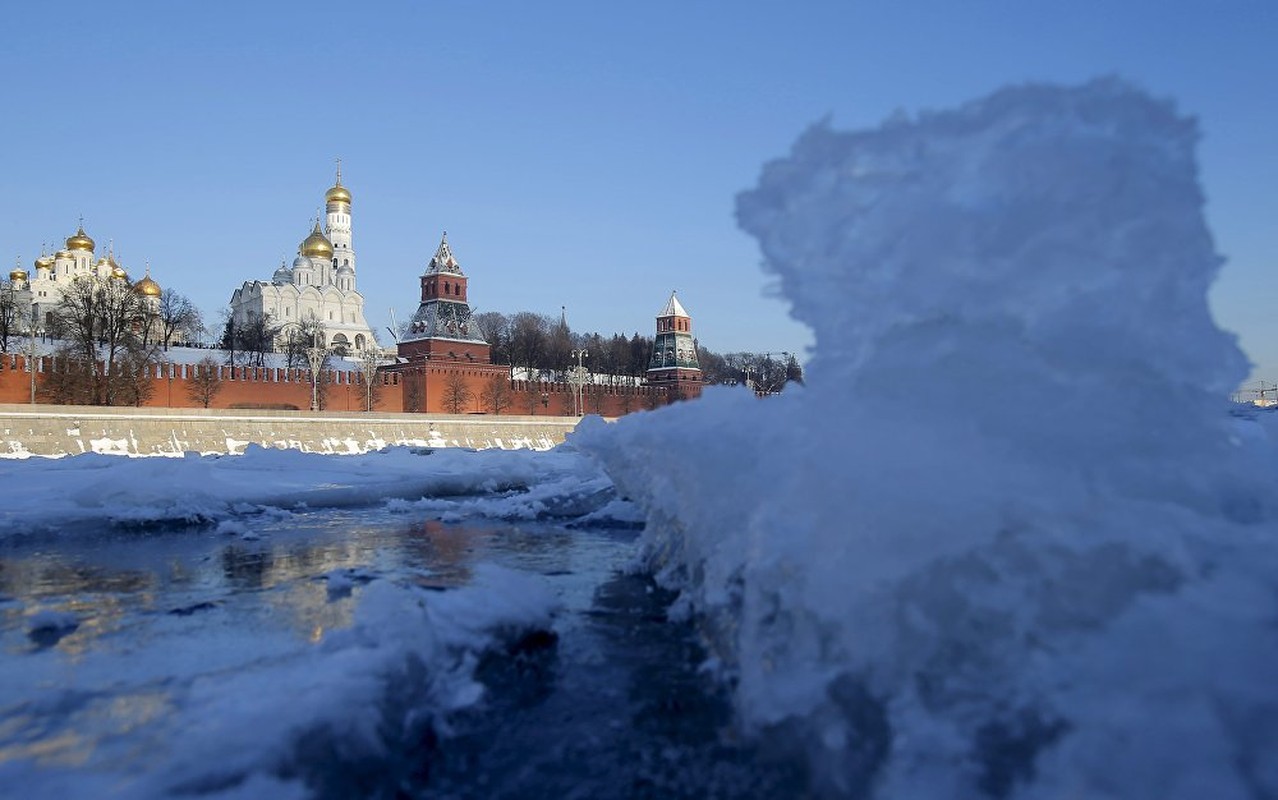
{"x":443,"y":260}
{"x":673,"y":308}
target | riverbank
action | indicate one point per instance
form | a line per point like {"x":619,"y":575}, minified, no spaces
{"x":47,"y":430}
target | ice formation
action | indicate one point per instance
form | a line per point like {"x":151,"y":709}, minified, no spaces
{"x":1007,"y":542}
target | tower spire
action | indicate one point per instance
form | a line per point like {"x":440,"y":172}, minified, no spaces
{"x":339,"y":172}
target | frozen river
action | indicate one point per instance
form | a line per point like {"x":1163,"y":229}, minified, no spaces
{"x":117,"y":641}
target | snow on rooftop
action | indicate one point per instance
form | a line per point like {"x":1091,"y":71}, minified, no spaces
{"x":673,"y":308}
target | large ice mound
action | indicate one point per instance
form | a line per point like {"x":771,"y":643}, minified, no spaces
{"x":1008,"y":542}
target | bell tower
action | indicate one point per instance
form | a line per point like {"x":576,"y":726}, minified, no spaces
{"x":337,"y":208}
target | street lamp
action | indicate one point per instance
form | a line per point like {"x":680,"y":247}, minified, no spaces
{"x":579,"y":377}
{"x":315,"y":355}
{"x":33,"y":352}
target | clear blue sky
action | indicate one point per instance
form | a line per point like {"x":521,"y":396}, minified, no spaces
{"x":580,"y":154}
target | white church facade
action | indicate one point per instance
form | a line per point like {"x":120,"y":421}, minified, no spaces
{"x":320,"y":284}
{"x":40,"y":291}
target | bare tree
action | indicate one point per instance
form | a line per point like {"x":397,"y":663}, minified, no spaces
{"x":494,"y":326}
{"x":205,"y":383}
{"x":368,"y":362}
{"x":101,"y":324}
{"x":11,"y":313}
{"x":457,"y":395}
{"x":177,"y":317}
{"x":496,"y":393}
{"x":256,"y":338}
{"x":299,"y":338}
{"x":529,"y":338}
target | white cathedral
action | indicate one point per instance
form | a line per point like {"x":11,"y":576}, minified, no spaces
{"x":320,"y":285}
{"x":42,"y":291}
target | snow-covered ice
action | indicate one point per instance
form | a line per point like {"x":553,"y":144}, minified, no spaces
{"x":90,"y":490}
{"x":1008,"y":542}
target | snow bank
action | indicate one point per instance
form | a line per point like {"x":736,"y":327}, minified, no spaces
{"x":1008,"y":542}
{"x":224,"y":714}
{"x":82,"y":493}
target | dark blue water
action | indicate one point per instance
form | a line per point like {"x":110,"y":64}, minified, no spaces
{"x":608,"y":703}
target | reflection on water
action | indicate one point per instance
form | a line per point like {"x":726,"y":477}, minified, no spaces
{"x":271,"y":580}
{"x":153,"y":611}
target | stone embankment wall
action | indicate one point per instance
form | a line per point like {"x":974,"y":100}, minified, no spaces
{"x":47,"y":430}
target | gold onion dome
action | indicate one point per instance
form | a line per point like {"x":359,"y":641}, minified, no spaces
{"x":147,"y":287}
{"x":118,"y":273}
{"x":80,"y":241}
{"x":44,"y":262}
{"x":317,"y":245}
{"x":62,"y":254}
{"x":18,"y":274}
{"x":338,"y":194}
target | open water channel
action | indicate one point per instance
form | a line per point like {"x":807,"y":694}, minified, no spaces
{"x":133,"y":661}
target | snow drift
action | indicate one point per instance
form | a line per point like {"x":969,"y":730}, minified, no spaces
{"x":1007,"y":542}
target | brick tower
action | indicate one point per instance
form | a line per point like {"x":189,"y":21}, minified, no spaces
{"x":674,"y":362}
{"x":442,"y":327}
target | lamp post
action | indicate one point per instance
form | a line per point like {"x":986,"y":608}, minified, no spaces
{"x":33,"y":352}
{"x":579,"y":377}
{"x":315,"y":355}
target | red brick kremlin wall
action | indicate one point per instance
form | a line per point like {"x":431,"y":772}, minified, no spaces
{"x":256,"y":387}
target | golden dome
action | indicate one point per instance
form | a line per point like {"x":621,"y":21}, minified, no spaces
{"x":62,"y":254}
{"x":317,"y":245}
{"x":118,"y":273}
{"x":44,"y":262}
{"x":147,"y":287}
{"x":80,"y":241}
{"x":338,"y":194}
{"x":18,"y":274}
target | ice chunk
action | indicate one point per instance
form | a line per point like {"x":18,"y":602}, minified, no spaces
{"x":1007,"y":542}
